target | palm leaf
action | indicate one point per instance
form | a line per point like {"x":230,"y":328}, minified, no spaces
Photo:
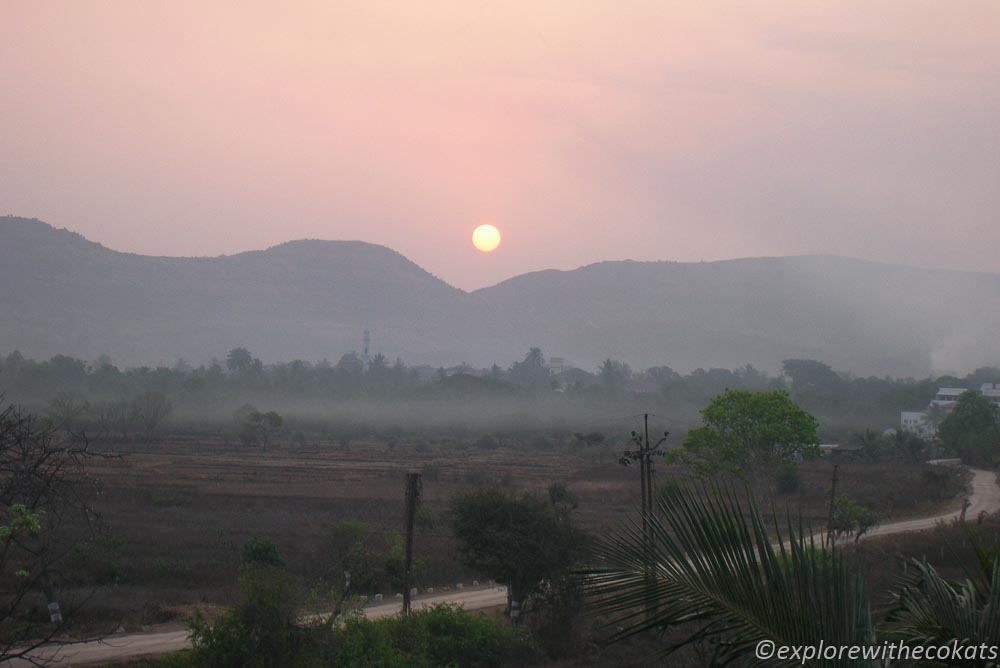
{"x":714,"y":570}
{"x":932,"y":611}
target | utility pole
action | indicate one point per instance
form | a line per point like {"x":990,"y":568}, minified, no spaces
{"x":412,"y":499}
{"x":833,"y":496}
{"x":644,"y":453}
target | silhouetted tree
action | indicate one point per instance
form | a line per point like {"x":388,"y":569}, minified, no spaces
{"x":660,"y":376}
{"x":530,"y":371}
{"x":239,"y":360}
{"x":614,"y":375}
{"x":43,"y":491}
{"x":810,"y":377}
{"x":68,"y":410}
{"x":523,"y":541}
{"x":378,"y":369}
{"x":150,"y":410}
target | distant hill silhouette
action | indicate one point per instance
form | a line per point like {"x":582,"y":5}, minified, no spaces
{"x":312,"y":299}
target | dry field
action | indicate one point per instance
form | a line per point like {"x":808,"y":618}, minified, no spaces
{"x":178,"y":510}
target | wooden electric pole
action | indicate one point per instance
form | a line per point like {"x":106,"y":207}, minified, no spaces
{"x":412,"y":499}
{"x":833,"y":498}
{"x":644,"y":453}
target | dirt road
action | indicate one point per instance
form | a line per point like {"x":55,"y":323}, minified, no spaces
{"x":136,"y":645}
{"x":984,"y":497}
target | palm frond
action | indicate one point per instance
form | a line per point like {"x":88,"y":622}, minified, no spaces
{"x":714,"y":568}
{"x":931,"y":611}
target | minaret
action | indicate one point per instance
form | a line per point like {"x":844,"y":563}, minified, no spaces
{"x":366,"y":355}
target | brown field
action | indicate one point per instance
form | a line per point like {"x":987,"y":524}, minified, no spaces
{"x":178,"y":510}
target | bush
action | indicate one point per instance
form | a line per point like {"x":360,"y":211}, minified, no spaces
{"x":259,"y":632}
{"x":439,"y":636}
{"x":849,"y":518}
{"x":940,"y":482}
{"x":261,"y":551}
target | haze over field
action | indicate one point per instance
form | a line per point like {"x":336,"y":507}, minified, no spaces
{"x":312,"y":300}
{"x":674,"y":322}
{"x":585,"y":131}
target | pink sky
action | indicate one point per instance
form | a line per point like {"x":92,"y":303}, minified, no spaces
{"x":584,"y":131}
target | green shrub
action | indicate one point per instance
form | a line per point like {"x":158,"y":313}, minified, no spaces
{"x":258,"y":633}
{"x":850,"y":518}
{"x":261,"y":551}
{"x":440,"y":636}
{"x":261,"y":632}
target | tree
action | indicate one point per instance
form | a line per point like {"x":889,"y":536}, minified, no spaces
{"x":122,"y":417}
{"x":349,"y":370}
{"x":614,"y":374}
{"x":378,"y":369}
{"x":811,"y":378}
{"x":255,"y":428}
{"x":261,"y":631}
{"x":530,"y":371}
{"x":524,"y":541}
{"x":67,"y":410}
{"x":972,"y":429}
{"x":398,"y":372}
{"x":272,"y":423}
{"x":909,"y":447}
{"x":660,"y":376}
{"x":239,"y":361}
{"x":350,"y":555}
{"x":746,"y":430}
{"x":851,"y":519}
{"x":43,"y":508}
{"x":151,"y":409}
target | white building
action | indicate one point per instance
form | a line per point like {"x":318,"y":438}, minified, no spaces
{"x":947,"y":396}
{"x":918,"y":423}
{"x":557,"y":365}
{"x":992,"y":392}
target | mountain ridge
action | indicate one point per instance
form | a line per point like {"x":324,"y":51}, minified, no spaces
{"x":311,"y":298}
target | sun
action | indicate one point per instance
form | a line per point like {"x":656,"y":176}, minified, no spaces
{"x":486,"y":238}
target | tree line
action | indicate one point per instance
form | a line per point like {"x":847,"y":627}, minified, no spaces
{"x":137,"y":400}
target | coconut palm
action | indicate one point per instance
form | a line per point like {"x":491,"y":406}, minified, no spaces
{"x":713,"y":572}
{"x":931,"y":611}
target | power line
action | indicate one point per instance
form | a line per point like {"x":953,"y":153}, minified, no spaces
{"x":645,"y":453}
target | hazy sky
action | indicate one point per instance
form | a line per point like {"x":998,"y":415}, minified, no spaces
{"x":583,"y":130}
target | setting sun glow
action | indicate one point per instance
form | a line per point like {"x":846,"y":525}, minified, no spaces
{"x":486,"y":238}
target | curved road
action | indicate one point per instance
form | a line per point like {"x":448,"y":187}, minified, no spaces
{"x":984,"y":497}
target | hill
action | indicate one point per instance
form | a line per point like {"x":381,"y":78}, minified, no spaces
{"x":312,"y":299}
{"x":303,"y":299}
{"x":865,"y":317}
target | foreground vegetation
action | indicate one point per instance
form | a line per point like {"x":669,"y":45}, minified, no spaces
{"x":710,"y":567}
{"x":704,"y":573}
